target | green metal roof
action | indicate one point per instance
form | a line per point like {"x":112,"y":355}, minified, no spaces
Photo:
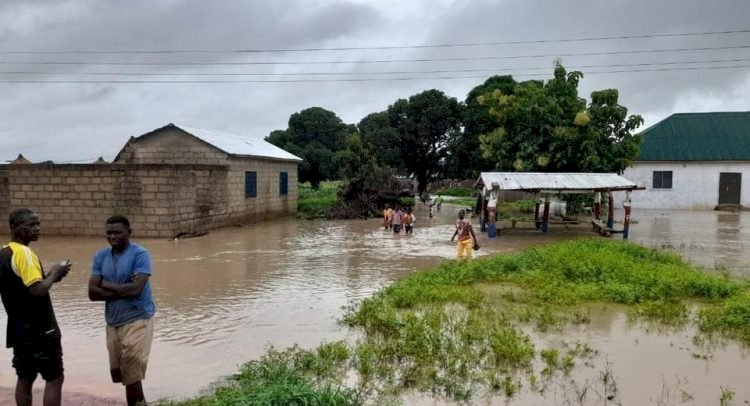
{"x":698,"y":137}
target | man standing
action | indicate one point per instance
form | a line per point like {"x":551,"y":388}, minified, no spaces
{"x":120,"y":277}
{"x":465,"y":236}
{"x":32,"y":327}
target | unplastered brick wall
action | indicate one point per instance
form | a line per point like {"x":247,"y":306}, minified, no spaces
{"x":160,"y":200}
{"x":4,"y":194}
{"x":268,"y":202}
{"x":170,"y":146}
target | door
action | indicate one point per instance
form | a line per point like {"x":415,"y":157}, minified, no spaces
{"x":729,"y":187}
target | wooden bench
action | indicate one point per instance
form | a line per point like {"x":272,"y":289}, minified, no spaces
{"x":551,"y":222}
{"x":602,"y":228}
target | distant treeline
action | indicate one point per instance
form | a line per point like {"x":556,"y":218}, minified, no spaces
{"x":502,"y":124}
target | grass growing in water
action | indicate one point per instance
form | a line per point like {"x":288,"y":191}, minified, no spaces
{"x":317,"y":203}
{"x":289,"y":377}
{"x":456,"y":192}
{"x":473,"y":313}
{"x":459,"y":329}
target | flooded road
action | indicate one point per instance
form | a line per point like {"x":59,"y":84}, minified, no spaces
{"x":223,"y":298}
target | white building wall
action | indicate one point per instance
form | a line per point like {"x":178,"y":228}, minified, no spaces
{"x":695,"y":185}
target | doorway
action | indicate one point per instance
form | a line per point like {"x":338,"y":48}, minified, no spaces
{"x":729,"y":187}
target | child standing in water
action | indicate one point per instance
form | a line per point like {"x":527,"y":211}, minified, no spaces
{"x":397,"y":219}
{"x":408,"y":221}
{"x":466,"y":236}
{"x":387,"y":217}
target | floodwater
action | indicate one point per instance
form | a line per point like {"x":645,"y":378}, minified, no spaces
{"x":223,"y":298}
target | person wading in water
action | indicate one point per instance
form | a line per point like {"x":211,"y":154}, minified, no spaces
{"x":466,"y":236}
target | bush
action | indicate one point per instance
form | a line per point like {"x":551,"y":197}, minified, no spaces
{"x":317,"y":203}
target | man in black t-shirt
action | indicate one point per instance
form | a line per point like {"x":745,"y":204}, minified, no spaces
{"x":32,"y":329}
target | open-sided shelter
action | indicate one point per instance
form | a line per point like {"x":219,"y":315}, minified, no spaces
{"x":545,"y":185}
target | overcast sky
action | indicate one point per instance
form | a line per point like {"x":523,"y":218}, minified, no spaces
{"x":81,"y":121}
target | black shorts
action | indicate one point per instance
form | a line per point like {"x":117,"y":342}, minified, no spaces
{"x":397,"y":228}
{"x":38,"y":355}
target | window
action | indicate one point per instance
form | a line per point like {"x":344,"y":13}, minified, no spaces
{"x":662,"y":180}
{"x":283,"y":183}
{"x":251,"y":184}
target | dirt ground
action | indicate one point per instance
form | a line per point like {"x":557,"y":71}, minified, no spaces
{"x":69,"y":398}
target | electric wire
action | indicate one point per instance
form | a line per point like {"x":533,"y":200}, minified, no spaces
{"x":363,"y":73}
{"x":365,"y":61}
{"x":22,"y":81}
{"x":387,"y":47}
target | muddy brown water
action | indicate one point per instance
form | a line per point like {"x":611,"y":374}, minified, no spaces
{"x":223,"y":298}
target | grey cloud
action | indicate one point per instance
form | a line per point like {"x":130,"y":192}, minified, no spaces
{"x":76,"y":121}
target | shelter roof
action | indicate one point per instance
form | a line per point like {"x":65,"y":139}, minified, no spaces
{"x":719,"y":136}
{"x":554,"y":182}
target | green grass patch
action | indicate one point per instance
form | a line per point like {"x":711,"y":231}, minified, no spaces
{"x":290,"y":377}
{"x":457,"y":192}
{"x":317,"y":203}
{"x":463,"y":202}
{"x":406,"y":201}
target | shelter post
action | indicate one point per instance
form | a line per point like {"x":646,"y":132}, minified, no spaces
{"x":611,"y":210}
{"x":483,"y":208}
{"x":597,"y":205}
{"x":492,"y":210}
{"x":537,"y":223}
{"x":545,"y":221}
{"x":626,"y":221}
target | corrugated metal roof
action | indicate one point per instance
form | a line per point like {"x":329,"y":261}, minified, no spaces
{"x":535,"y":181}
{"x":239,"y":145}
{"x":723,"y":136}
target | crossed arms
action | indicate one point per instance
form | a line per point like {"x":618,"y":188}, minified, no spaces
{"x":99,"y":289}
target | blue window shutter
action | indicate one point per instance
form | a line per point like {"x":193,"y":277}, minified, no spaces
{"x":251,"y":187}
{"x":283,"y":183}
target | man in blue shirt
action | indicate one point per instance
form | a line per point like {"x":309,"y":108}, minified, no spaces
{"x":120,"y":277}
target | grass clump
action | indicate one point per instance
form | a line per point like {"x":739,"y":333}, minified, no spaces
{"x":317,"y":203}
{"x":457,"y":192}
{"x":462,"y":201}
{"x":290,"y":377}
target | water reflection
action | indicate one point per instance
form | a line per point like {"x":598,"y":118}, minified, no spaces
{"x":708,"y":238}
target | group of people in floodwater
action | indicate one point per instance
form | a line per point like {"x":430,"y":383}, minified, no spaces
{"x":394,"y":219}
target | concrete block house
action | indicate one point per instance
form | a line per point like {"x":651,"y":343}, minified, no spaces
{"x":694,"y":161}
{"x":173,"y":181}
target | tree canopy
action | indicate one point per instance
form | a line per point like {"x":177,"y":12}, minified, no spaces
{"x":376,"y":131}
{"x":503,"y":124}
{"x":316,"y":135}
{"x":546,"y":127}
{"x":426,"y":123}
{"x":464,"y":154}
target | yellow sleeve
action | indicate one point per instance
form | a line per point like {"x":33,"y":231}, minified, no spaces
{"x":26,"y":265}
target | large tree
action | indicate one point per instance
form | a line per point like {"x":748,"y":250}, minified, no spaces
{"x":426,"y":123}
{"x":546,"y":127}
{"x":384,"y":140}
{"x":315,"y":135}
{"x":464,"y":155}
